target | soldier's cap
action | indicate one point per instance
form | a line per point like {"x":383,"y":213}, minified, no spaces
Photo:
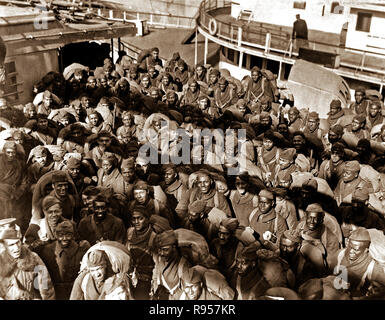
{"x":10,"y":145}
{"x":40,"y":151}
{"x":10,"y":234}
{"x":128,"y":163}
{"x":310,"y":184}
{"x":255,"y":68}
{"x":141,"y":185}
{"x":243,"y":177}
{"x":169,"y":166}
{"x":361,"y":89}
{"x":288,"y":154}
{"x":266,"y":194}
{"x":314,"y":207}
{"x":337,"y":129}
{"x":192,"y":276}
{"x":49,"y":201}
{"x":65,"y":227}
{"x":269,"y":134}
{"x":313,"y":115}
{"x":338,"y":148}
{"x":230,"y":224}
{"x":360,"y":117}
{"x":360,"y":234}
{"x":91,"y":191}
{"x":101,"y":198}
{"x":180,"y":63}
{"x":294,"y":110}
{"x":363,"y":143}
{"x":141,"y":210}
{"x":10,"y":221}
{"x":335,"y":103}
{"x":292,"y":235}
{"x":360,"y":195}
{"x":59,"y":176}
{"x":73,"y":163}
{"x":97,"y":258}
{"x":104,"y":133}
{"x":166,"y":238}
{"x":198,"y":206}
{"x":215,"y":72}
{"x":249,"y":253}
{"x":109,"y":156}
{"x":352,"y":166}
{"x":47,"y":94}
{"x":312,"y":287}
{"x":170,"y":93}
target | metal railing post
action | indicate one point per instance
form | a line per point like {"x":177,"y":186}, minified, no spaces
{"x":240,"y":59}
{"x":239,"y":36}
{"x":267,"y":42}
{"x":111,"y":14}
{"x":206,"y":50}
{"x":196,"y":47}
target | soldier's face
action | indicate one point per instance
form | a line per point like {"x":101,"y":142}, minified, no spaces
{"x":265,"y":204}
{"x":74,"y":172}
{"x":244,"y":266}
{"x":287,"y":248}
{"x":146,"y":82}
{"x":298,"y":142}
{"x":167,"y":252}
{"x":93,"y":119}
{"x":335,"y":157}
{"x":141,"y":196}
{"x":193,"y":216}
{"x":203,"y":104}
{"x":285,"y":183}
{"x":128,"y":174}
{"x":169,"y":176}
{"x":192,"y":290}
{"x":356,"y":249}
{"x":139,"y":222}
{"x":312,"y":124}
{"x":356,"y":125}
{"x":241,"y":187}
{"x":98,"y":273}
{"x":268,"y":144}
{"x":42,"y":123}
{"x":54,"y":213}
{"x":374,"y":110}
{"x":100,"y":210}
{"x":255,"y":76}
{"x":10,"y":153}
{"x":224,"y":235}
{"x":199,"y":71}
{"x":204,"y":184}
{"x":64,"y":239}
{"x":193,"y":87}
{"x":314,"y":220}
{"x":221,"y":186}
{"x":13,"y":247}
{"x":213,"y":78}
{"x":107,"y":166}
{"x":349,"y":176}
{"x":85,"y":103}
{"x":61,"y":188}
{"x":359,"y":96}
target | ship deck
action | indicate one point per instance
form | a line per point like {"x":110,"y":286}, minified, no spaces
{"x":351,"y":62}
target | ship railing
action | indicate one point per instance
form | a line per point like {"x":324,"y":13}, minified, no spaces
{"x":151,"y":19}
{"x":273,"y":39}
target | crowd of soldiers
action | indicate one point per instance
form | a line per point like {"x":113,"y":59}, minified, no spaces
{"x":303,"y":218}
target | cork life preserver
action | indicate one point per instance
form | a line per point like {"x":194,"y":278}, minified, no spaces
{"x":213,"y":26}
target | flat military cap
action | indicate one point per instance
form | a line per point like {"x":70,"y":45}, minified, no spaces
{"x":128,"y":163}
{"x":141,"y":210}
{"x":360,"y":195}
{"x":10,"y":234}
{"x":49,"y":201}
{"x":335,"y":103}
{"x":266,"y":194}
{"x":10,"y":145}
{"x":231,"y":224}
{"x":292,"y":235}
{"x":192,"y":276}
{"x":352,"y":166}
{"x":59,"y":176}
{"x":140,"y":185}
{"x":73,"y":163}
{"x":288,"y":154}
{"x":265,"y":99}
{"x":314,"y":207}
{"x":294,"y":110}
{"x":337,"y":129}
{"x":269,"y":134}
{"x":166,"y":238}
{"x":223,"y":80}
{"x":313,"y":115}
{"x":65,"y":227}
{"x":243,"y":177}
{"x":215,"y":72}
{"x":338,"y":148}
{"x":264,"y":115}
{"x":311,"y":184}
{"x":360,"y":234}
{"x":248,"y":253}
{"x":360,"y":117}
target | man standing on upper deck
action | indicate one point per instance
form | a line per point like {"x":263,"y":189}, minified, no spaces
{"x":299,"y":32}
